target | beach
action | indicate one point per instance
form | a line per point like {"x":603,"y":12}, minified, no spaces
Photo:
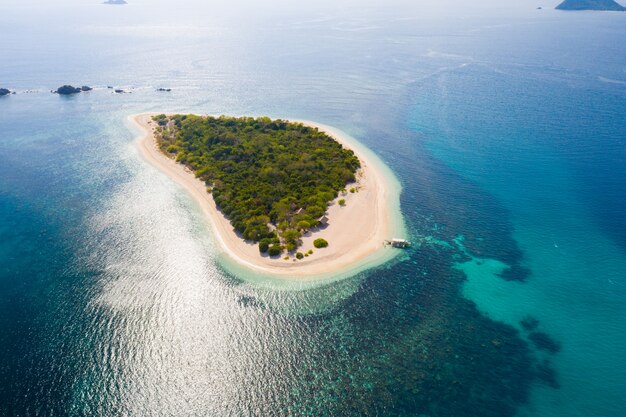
{"x":355,"y":231}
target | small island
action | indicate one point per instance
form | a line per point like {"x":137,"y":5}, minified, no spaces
{"x":4,"y":92}
{"x":272,"y":179}
{"x":115,"y":2}
{"x":605,"y":5}
{"x":285,"y":198}
{"x":67,"y":90}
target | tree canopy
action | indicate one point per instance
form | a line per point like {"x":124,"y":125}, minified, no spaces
{"x":271,"y":178}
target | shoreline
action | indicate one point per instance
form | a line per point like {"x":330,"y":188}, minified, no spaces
{"x":355,"y":232}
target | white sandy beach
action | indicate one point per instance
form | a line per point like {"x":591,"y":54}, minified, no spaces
{"x":354,"y":232}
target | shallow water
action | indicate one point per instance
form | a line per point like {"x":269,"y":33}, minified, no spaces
{"x":504,"y":126}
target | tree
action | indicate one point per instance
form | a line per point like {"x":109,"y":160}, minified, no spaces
{"x":264,"y":245}
{"x":303,"y":225}
{"x":274,"y":250}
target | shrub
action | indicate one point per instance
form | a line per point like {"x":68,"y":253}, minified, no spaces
{"x":299,"y":255}
{"x":353,"y":190}
{"x":264,"y":245}
{"x":342,"y":202}
{"x":274,"y":250}
{"x":320,"y":243}
{"x":303,"y":225}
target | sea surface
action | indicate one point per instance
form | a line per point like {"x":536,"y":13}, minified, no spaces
{"x":505,"y":124}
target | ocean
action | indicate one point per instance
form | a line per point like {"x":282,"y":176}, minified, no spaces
{"x":503,"y":123}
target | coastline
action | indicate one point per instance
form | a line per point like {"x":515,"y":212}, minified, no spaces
{"x":355,"y":232}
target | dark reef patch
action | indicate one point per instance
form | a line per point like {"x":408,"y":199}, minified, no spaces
{"x":544,"y":342}
{"x":546,"y":374}
{"x":410,"y":345}
{"x":529,"y":323}
{"x":515,"y":273}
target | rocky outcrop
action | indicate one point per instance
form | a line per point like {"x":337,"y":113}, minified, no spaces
{"x":67,"y":90}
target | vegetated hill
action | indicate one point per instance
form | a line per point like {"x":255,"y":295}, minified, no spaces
{"x":609,"y":5}
{"x":261,"y":172}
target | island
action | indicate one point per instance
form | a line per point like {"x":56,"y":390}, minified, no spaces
{"x":115,"y":2}
{"x":67,"y":90}
{"x":287,"y":198}
{"x":4,"y":92}
{"x":606,"y":5}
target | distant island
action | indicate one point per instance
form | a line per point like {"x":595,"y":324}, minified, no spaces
{"x":115,"y":2}
{"x":278,"y":190}
{"x":67,"y":90}
{"x":607,"y":5}
{"x":4,"y":92}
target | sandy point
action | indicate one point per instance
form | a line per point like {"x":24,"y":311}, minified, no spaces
{"x":355,"y":231}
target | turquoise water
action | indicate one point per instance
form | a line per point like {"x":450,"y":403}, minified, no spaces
{"x":504,"y":125}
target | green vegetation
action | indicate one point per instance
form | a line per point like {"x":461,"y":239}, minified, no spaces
{"x":274,"y":250}
{"x":299,"y":255}
{"x":320,"y":243}
{"x":342,"y":202}
{"x":273,"y":179}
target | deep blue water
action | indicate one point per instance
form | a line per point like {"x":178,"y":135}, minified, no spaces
{"x":505,"y":125}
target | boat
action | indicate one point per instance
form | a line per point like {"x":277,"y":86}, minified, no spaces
{"x":398,"y":243}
